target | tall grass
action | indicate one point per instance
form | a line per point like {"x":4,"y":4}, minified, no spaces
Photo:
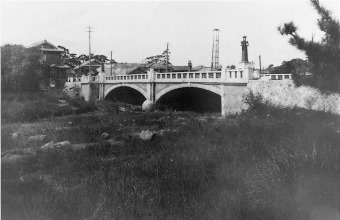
{"x":31,"y":106}
{"x":267,"y":164}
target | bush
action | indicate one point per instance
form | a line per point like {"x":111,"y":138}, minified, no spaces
{"x":255,"y":101}
{"x":82,"y":105}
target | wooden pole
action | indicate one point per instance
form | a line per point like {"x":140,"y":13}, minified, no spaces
{"x":89,"y":27}
{"x":260,"y":63}
{"x":167,"y":56}
{"x":111,"y":62}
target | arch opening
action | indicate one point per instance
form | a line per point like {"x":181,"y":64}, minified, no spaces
{"x":191,"y":99}
{"x":125,"y":94}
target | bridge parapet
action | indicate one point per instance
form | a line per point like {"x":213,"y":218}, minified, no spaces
{"x":128,"y":78}
{"x":209,"y":76}
{"x":241,"y":75}
{"x":87,"y":79}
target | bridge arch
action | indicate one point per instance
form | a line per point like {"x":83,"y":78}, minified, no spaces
{"x":199,"y":86}
{"x":126,"y":85}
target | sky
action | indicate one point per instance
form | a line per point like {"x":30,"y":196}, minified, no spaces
{"x":134,"y":30}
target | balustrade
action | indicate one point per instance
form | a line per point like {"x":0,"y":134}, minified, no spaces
{"x":206,"y":76}
{"x":189,"y":76}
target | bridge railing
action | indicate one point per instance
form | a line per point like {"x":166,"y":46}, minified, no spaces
{"x":128,"y":78}
{"x":226,"y":75}
{"x":86,"y":79}
{"x":208,"y":76}
{"x":275,"y":76}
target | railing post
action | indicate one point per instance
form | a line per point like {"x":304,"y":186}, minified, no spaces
{"x":151,"y":75}
{"x":223,"y":75}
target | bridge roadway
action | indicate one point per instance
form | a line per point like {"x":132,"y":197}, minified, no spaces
{"x":229,"y":84}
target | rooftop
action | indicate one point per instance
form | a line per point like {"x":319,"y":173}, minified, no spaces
{"x":86,"y":63}
{"x":46,"y":46}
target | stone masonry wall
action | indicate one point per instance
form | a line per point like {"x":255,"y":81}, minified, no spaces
{"x":286,"y":94}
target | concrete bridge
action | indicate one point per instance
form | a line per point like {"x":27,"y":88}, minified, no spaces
{"x":229,"y":84}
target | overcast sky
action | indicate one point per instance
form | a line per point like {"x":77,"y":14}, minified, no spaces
{"x":136,"y":30}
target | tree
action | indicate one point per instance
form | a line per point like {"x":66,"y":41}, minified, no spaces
{"x":270,"y":67}
{"x":82,"y":58}
{"x":21,"y":68}
{"x":10,"y":54}
{"x":69,"y":59}
{"x":101,"y":58}
{"x":159,"y":59}
{"x":294,"y":66}
{"x":324,"y":56}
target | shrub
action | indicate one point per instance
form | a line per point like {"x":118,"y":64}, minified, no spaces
{"x":82,"y":105}
{"x":255,"y":101}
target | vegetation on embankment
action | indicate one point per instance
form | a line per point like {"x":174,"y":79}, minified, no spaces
{"x":31,"y":106}
{"x":265,"y":163}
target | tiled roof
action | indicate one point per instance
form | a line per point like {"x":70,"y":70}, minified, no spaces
{"x":180,"y":68}
{"x":86,"y":63}
{"x":36,"y":44}
{"x":60,"y":66}
{"x":201,"y":68}
{"x":120,"y":68}
{"x":45,"y":42}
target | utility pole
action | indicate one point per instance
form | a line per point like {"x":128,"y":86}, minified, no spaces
{"x":260,"y":62}
{"x":167,"y":56}
{"x":111,"y":62}
{"x":89,"y":30}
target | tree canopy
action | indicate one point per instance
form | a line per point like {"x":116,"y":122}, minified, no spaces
{"x":21,"y":69}
{"x":294,"y":66}
{"x":162,"y":59}
{"x":323,"y":56}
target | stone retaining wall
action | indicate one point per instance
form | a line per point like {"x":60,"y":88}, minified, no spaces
{"x":286,"y":94}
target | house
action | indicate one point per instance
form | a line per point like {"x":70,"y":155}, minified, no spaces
{"x":136,"y":68}
{"x":121,"y":69}
{"x":51,"y":57}
{"x":83,"y":69}
{"x":74,"y":75}
{"x":142,"y":68}
{"x":201,"y":68}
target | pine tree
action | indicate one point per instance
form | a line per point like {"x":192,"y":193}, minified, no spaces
{"x":324,"y":56}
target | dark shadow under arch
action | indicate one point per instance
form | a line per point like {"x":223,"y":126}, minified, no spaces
{"x":125,"y":94}
{"x":191,"y":99}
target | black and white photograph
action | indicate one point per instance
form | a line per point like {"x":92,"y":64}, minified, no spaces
{"x":183,"y":110}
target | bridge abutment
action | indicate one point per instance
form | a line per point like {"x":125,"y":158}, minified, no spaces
{"x":232,"y":98}
{"x":90,"y":91}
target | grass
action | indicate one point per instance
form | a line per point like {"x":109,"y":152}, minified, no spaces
{"x":32,"y":106}
{"x":265,"y":163}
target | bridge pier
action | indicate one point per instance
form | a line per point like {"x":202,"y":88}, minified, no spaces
{"x":90,"y":91}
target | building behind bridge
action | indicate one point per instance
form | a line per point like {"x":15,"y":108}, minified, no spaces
{"x":141,"y":68}
{"x":51,"y":58}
